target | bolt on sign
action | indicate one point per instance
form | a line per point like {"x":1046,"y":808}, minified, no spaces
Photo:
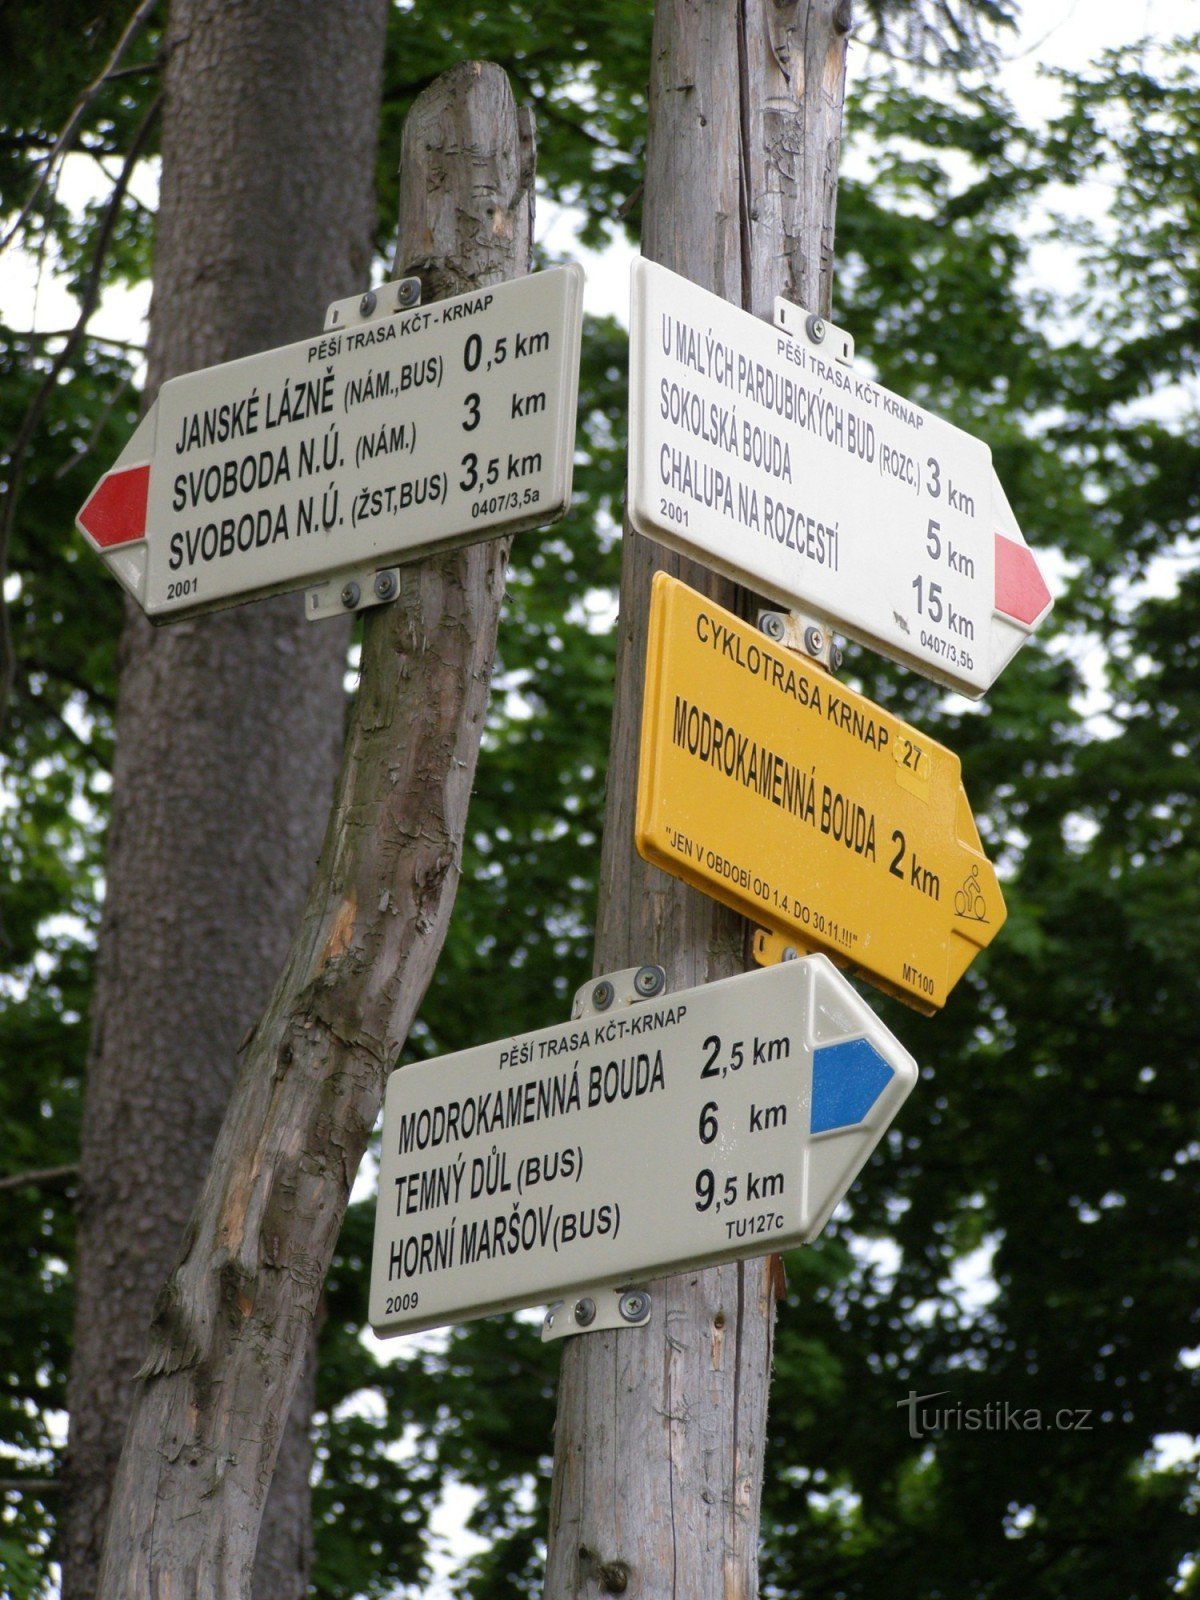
{"x":763,"y":455}
{"x":775,"y":789}
{"x":362,"y":447}
{"x":721,"y":1122}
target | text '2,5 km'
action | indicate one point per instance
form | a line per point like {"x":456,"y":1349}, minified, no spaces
{"x":720,"y":1122}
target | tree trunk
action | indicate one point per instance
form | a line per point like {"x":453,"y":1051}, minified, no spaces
{"x":229,"y":727}
{"x":660,"y":1432}
{"x":231,"y":1327}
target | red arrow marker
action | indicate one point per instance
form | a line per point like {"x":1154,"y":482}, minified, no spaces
{"x":1021,"y":591}
{"x":115,"y":512}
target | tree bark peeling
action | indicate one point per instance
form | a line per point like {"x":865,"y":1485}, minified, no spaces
{"x":231,"y":1330}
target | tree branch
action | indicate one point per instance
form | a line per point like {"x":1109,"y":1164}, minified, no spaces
{"x":46,"y":709}
{"x":55,"y":672}
{"x":139,"y":69}
{"x":547,"y":108}
{"x":41,"y":1178}
{"x":132,"y":28}
{"x":89,"y":443}
{"x":33,"y":416}
{"x":46,"y":336}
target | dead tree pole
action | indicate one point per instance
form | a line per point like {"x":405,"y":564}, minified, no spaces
{"x":231,"y":1325}
{"x":660,"y":1431}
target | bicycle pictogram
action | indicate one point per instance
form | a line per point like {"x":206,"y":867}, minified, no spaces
{"x":969,"y":901}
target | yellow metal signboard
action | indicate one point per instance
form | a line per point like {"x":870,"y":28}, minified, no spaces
{"x":772,"y":787}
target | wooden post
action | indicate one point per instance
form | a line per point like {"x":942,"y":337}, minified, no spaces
{"x":660,"y":1432}
{"x":230,"y":1329}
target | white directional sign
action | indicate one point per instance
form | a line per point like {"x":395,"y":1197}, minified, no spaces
{"x":762,"y":455}
{"x":362,"y":447}
{"x":720,"y":1122}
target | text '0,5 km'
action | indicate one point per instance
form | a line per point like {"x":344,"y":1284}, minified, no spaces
{"x":721,"y":1122}
{"x":365,"y":446}
{"x":766,"y":458}
{"x":770,"y":786}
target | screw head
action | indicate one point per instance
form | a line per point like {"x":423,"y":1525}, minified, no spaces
{"x":367,"y":304}
{"x":790,"y":953}
{"x":813,"y":640}
{"x":772,"y":624}
{"x":602,"y":995}
{"x":585,"y":1311}
{"x":814,"y":326}
{"x":350,"y":596}
{"x":634,"y":1304}
{"x":649,"y":981}
{"x":836,"y":657}
{"x":408,"y":292}
{"x":385,"y":585}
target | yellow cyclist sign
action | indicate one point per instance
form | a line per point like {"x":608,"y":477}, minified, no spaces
{"x":772,"y":787}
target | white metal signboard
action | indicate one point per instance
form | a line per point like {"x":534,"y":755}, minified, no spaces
{"x":362,"y":447}
{"x":765,"y":457}
{"x":720,"y":1122}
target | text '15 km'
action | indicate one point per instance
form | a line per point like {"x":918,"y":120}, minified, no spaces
{"x":763,"y":456}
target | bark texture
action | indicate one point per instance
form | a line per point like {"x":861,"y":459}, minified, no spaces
{"x":229,"y":728}
{"x":231,"y":1327}
{"x":660,"y":1432}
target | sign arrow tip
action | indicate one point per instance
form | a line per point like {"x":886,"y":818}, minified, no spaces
{"x":115,"y":511}
{"x":1021,"y":591}
{"x":847,"y":1080}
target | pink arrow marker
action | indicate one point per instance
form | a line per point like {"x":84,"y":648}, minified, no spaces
{"x":115,"y":512}
{"x":1021,"y":591}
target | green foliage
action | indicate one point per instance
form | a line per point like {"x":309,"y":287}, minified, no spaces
{"x":581,"y":70}
{"x":48,"y":55}
{"x":1028,"y":1234}
{"x":370,"y":1508}
{"x":64,"y":617}
{"x":1054,"y":1139}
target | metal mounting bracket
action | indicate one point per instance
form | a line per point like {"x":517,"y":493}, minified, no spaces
{"x":616,"y":989}
{"x":807,"y":635}
{"x":814,"y":330}
{"x":352,"y":590}
{"x":402,"y":295}
{"x":596,"y":1310}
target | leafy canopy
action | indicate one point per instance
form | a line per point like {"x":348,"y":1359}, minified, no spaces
{"x":1029,"y":1233}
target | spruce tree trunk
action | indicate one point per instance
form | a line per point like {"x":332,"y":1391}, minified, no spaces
{"x":229,"y":728}
{"x":660,"y":1431}
{"x":231,"y":1327}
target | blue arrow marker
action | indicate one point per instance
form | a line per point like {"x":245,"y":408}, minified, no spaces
{"x":847,"y":1080}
